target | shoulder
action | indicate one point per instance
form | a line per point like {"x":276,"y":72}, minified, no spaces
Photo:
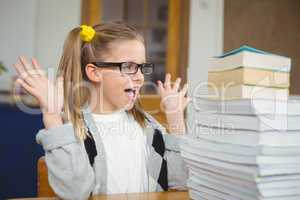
{"x":153,"y":123}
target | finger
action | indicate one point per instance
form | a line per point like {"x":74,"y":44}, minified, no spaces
{"x":20,"y":69}
{"x":184,"y":89}
{"x":168,"y":81}
{"x":177,"y":84}
{"x":37,"y":66}
{"x":27,"y":87}
{"x":29,"y":80}
{"x":160,"y":87}
{"x":24,"y":74}
{"x":24,"y":62}
{"x":29,"y":69}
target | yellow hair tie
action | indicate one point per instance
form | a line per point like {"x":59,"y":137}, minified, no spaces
{"x":87,"y":33}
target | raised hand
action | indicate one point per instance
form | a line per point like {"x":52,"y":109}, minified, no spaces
{"x":33,"y":79}
{"x":173,"y":100}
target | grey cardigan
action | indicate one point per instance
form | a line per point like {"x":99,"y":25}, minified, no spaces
{"x":71,"y":175}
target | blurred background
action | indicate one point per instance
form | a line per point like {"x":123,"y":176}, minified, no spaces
{"x":181,"y":36}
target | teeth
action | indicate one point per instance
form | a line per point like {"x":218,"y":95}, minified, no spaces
{"x":131,"y":94}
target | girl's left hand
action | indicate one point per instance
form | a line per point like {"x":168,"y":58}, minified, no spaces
{"x":173,"y":100}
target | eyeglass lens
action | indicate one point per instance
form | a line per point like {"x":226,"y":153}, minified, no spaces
{"x":132,"y":68}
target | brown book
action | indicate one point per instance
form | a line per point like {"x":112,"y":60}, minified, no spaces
{"x":248,"y":92}
{"x":249,"y":76}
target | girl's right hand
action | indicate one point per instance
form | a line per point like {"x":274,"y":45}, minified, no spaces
{"x":33,"y":79}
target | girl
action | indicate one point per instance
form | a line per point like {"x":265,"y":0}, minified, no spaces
{"x":96,"y":139}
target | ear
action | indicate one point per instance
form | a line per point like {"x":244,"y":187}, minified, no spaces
{"x":93,"y":73}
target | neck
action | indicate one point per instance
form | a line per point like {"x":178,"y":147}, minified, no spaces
{"x":99,"y":104}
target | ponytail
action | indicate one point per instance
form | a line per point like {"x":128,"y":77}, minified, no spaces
{"x":75,"y":95}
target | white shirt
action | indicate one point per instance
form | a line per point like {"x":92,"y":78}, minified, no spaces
{"x":125,"y":147}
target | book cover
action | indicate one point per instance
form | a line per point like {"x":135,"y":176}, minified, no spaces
{"x":250,"y":57}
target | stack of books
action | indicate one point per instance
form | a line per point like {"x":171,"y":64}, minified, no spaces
{"x":246,"y":146}
{"x":247,"y":72}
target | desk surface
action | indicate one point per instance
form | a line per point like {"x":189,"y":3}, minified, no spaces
{"x":135,"y":196}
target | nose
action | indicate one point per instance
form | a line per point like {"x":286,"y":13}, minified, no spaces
{"x":138,"y":76}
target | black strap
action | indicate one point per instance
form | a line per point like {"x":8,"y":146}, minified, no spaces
{"x":90,"y":147}
{"x":157,"y":143}
{"x":159,"y":146}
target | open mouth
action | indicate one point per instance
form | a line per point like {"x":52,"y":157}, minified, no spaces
{"x":131,"y":92}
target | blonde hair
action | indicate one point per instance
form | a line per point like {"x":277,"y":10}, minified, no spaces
{"x":76,"y":55}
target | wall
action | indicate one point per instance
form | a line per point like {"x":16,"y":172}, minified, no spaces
{"x":272,"y":25}
{"x":206,"y":41}
{"x":34,"y":28}
{"x":17,"y":33}
{"x":112,"y":10}
{"x":55,"y":19}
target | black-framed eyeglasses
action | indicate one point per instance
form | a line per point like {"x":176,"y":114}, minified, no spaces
{"x":129,"y":68}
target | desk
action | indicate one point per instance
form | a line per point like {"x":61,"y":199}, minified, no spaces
{"x":135,"y":196}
